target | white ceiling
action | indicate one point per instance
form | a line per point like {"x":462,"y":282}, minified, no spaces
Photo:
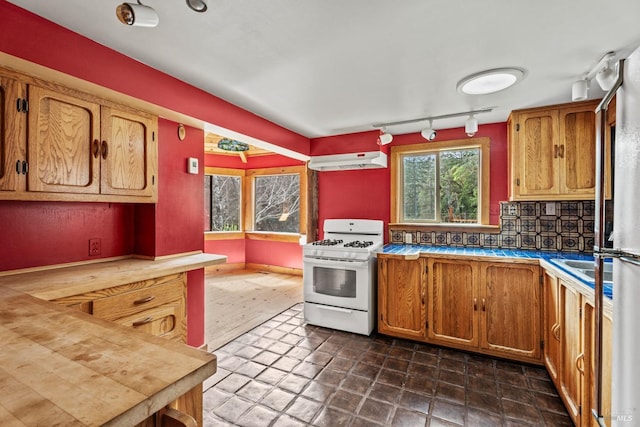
{"x":326,"y":67}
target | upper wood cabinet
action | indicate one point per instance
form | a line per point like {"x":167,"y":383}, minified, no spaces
{"x":79,"y":146}
{"x":13,"y":134}
{"x":552,"y":152}
{"x":401,"y":297}
{"x":64,"y":145}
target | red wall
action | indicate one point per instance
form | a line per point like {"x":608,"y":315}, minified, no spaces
{"x":366,"y":193}
{"x":281,"y":254}
{"x":42,"y":233}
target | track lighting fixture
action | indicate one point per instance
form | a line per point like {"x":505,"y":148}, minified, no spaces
{"x":197,"y":5}
{"x":605,"y":74}
{"x":137,"y":15}
{"x":429,"y":133}
{"x":384,"y":138}
{"x":471,"y":126}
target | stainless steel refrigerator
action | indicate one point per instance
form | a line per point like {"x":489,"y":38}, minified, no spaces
{"x":625,"y":246}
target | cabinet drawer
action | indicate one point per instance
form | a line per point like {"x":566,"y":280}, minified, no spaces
{"x":166,"y":321}
{"x":129,"y":303}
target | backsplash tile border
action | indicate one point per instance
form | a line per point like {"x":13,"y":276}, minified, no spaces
{"x":569,"y":230}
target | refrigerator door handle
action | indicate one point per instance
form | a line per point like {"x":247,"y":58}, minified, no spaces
{"x":630,"y":260}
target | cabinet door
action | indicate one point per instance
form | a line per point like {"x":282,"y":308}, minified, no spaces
{"x":551,"y":327}
{"x":453,"y":302}
{"x":13,"y":135}
{"x":511,"y":309}
{"x":588,"y":392}
{"x":578,"y":151}
{"x":571,"y":350}
{"x":535,"y":154}
{"x":128,"y":152}
{"x":401,"y":297}
{"x":63,"y":142}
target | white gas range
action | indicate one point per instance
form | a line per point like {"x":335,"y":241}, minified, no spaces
{"x":339,"y":275}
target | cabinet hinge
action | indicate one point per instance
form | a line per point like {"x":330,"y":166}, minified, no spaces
{"x":580,"y":312}
{"x":426,"y":269}
{"x":580,"y":410}
{"x":426,"y":325}
{"x":541,"y":279}
{"x":542,"y":344}
{"x":22,"y":105}
{"x":153,"y":136}
{"x":517,"y":181}
{"x":153,"y":180}
{"x":517,"y":127}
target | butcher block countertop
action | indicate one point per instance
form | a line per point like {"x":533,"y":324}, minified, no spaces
{"x":63,"y":367}
{"x":50,"y":284}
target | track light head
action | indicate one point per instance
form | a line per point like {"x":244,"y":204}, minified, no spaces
{"x":384,"y":138}
{"x":429,"y":134}
{"x":137,"y":15}
{"x":471,"y":126}
{"x":606,"y":77}
{"x":579,"y":90}
{"x":197,"y":5}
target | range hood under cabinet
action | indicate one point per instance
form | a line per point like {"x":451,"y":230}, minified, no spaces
{"x":350,"y":161}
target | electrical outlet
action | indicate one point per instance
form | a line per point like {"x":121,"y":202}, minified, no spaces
{"x":550,"y":208}
{"x":95,"y":247}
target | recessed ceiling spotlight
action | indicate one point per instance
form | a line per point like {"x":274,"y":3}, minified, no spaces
{"x":490,"y":81}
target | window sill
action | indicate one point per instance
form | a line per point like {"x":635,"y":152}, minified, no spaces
{"x":274,"y":237}
{"x":224,"y":235}
{"x":465,"y":228}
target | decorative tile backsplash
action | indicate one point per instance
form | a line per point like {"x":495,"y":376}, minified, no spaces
{"x":524,"y":225}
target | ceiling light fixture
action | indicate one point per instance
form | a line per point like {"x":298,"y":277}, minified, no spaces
{"x":425,"y":132}
{"x":471,"y":126}
{"x":137,"y":15}
{"x":429,"y":133}
{"x":604,"y":72}
{"x":384,"y":138}
{"x":490,"y":81}
{"x":197,"y":5}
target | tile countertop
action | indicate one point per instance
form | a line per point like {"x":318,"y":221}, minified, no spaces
{"x":417,"y":250}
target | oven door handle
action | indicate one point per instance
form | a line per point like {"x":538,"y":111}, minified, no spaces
{"x":335,"y":262}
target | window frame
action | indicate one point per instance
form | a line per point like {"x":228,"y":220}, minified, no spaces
{"x":397,"y":190}
{"x":213,"y":235}
{"x":249,"y":203}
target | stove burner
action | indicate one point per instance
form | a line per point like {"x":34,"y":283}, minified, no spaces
{"x":327,"y":242}
{"x":358,"y":244}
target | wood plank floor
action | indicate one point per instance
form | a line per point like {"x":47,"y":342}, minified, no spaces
{"x":238,"y":301}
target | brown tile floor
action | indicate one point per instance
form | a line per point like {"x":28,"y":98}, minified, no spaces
{"x":287,"y":373}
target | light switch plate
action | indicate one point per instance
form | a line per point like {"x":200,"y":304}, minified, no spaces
{"x":192,"y":165}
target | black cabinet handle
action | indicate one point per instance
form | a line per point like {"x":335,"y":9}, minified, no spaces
{"x":18,"y":167}
{"x":25,"y":167}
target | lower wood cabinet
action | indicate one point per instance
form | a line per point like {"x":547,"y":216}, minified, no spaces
{"x":489,"y":307}
{"x":156,"y":306}
{"x":486,"y":307}
{"x":569,"y":353}
{"x":401,"y":297}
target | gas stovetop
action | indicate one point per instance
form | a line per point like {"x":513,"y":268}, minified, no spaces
{"x":347,"y":239}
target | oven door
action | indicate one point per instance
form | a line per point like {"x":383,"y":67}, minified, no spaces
{"x":338,"y":283}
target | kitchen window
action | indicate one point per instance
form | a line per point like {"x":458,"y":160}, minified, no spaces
{"x":442,"y":182}
{"x":223,"y":202}
{"x":278,"y":200}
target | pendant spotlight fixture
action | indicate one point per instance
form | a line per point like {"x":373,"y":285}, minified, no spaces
{"x":384,"y":138}
{"x":605,"y":73}
{"x":429,"y":133}
{"x":197,"y":5}
{"x":137,"y":15}
{"x":471,"y":126}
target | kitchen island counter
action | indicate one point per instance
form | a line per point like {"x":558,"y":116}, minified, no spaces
{"x":59,"y":366}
